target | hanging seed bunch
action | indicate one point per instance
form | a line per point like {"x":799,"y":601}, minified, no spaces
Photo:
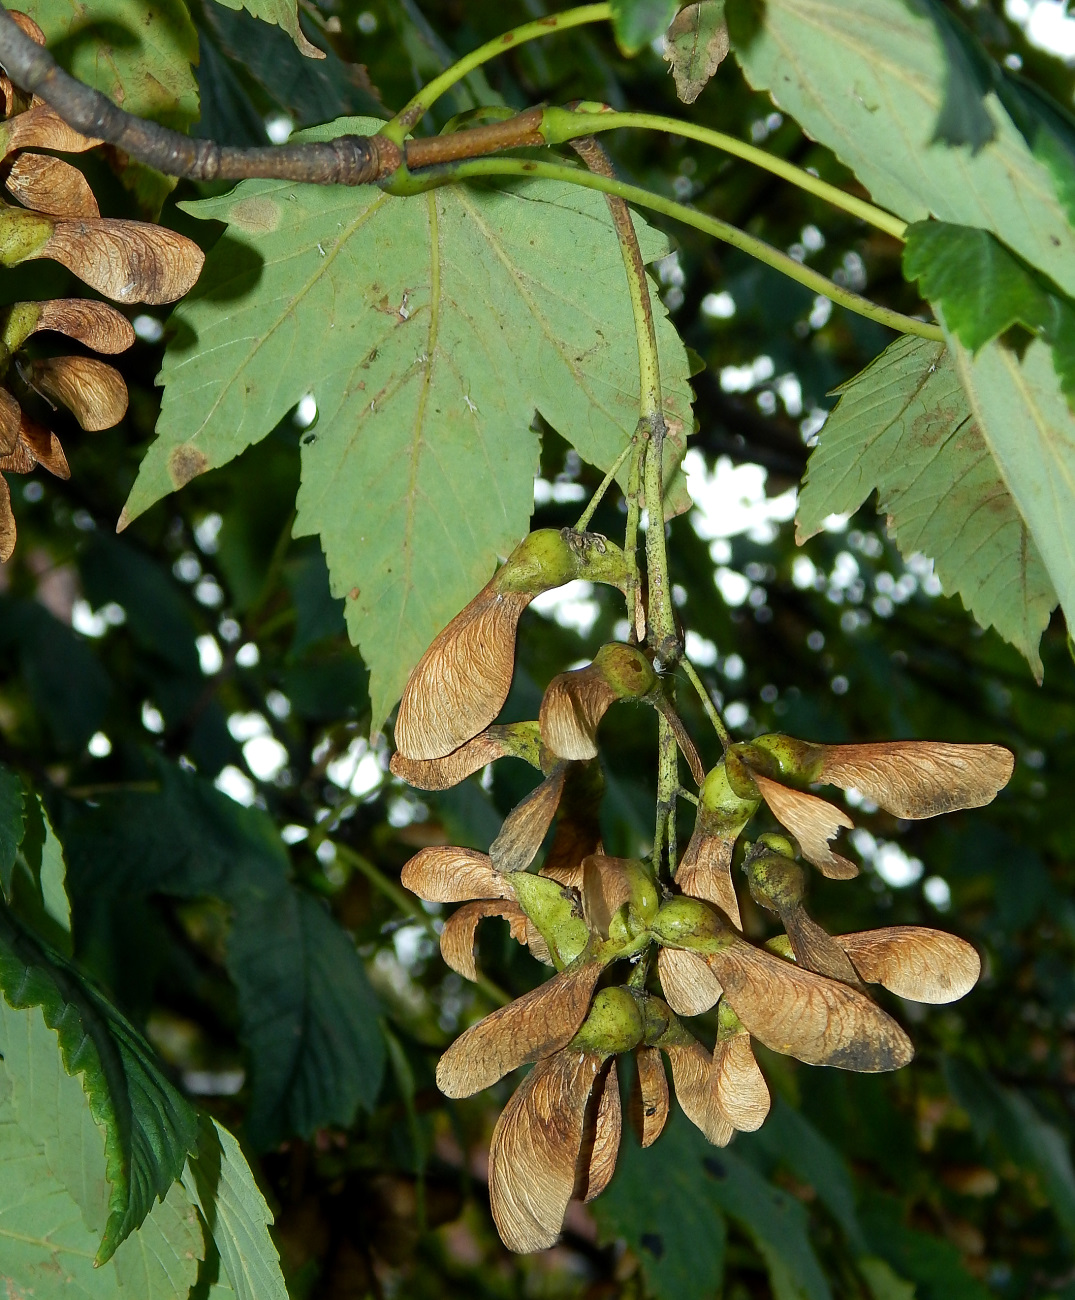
{"x":54,"y":215}
{"x":600,"y":921}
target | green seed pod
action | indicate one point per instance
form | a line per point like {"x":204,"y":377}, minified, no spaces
{"x":20,"y":321}
{"x":728,"y":1023}
{"x":689,"y":923}
{"x":554,"y":912}
{"x":776,"y":881}
{"x":782,"y":844}
{"x":551,"y":557}
{"x":22,"y":234}
{"x":724,"y":809}
{"x":542,"y":560}
{"x":626,"y":669}
{"x":740,"y":782}
{"x":615,"y":1024}
{"x":782,"y":758}
{"x":645,"y":896}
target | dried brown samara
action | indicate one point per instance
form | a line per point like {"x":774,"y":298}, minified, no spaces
{"x":55,"y":215}
{"x":596,"y":919}
{"x":639,"y":946}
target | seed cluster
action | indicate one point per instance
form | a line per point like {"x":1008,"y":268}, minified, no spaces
{"x":598,"y":920}
{"x":129,"y":261}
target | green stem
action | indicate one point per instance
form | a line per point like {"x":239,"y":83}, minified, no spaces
{"x":558,"y":125}
{"x":667,"y":785}
{"x":409,"y":906}
{"x":405,"y":901}
{"x":661,"y":634}
{"x":405,"y":1083}
{"x":602,"y":488}
{"x":757,"y":248}
{"x":630,"y":539}
{"x":413,"y":112}
{"x":707,"y":702}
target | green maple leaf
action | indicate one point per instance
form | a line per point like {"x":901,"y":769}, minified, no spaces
{"x":139,"y":56}
{"x":281,"y":13}
{"x":887,"y":93}
{"x":429,"y":330}
{"x":905,"y":428}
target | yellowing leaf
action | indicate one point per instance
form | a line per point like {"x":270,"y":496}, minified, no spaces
{"x":428,"y":330}
{"x":697,"y":42}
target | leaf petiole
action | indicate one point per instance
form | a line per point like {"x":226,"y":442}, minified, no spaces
{"x":602,"y":488}
{"x":409,"y":906}
{"x":417,"y":107}
{"x":711,"y":710}
{"x":559,"y":125}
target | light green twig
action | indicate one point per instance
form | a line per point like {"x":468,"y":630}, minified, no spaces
{"x":415,"y":109}
{"x":711,"y":710}
{"x":559,"y":125}
{"x":602,"y":488}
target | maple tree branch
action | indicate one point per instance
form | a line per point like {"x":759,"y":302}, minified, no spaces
{"x":347,"y":160}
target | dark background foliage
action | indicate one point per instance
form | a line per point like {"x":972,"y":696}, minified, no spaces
{"x":204,"y":645}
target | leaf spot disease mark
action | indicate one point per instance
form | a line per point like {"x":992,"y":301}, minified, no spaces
{"x":256,"y":215}
{"x":353,"y":594}
{"x":470,"y":405}
{"x":321,"y":250}
{"x":186,"y":462}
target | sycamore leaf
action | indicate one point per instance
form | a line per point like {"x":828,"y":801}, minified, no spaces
{"x":309,"y":1018}
{"x":983,"y":289}
{"x":54,"y":1193}
{"x":39,"y":892}
{"x":140,"y":56}
{"x":670,"y":1203}
{"x":789,"y":1136}
{"x":282,"y":13}
{"x":637,"y":22}
{"x":873,"y":90}
{"x":776,"y":1221}
{"x":307,"y":1013}
{"x":428,"y":329}
{"x":149,"y":1127}
{"x":903,"y":427}
{"x":1029,"y":428}
{"x":219,"y":1181}
{"x":1048,"y":128}
{"x":697,"y":42}
{"x":884,"y":1282}
{"x":658,"y":1203}
{"x":11,"y":825}
{"x":932,"y":1265}
{"x":1006,"y":1120}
